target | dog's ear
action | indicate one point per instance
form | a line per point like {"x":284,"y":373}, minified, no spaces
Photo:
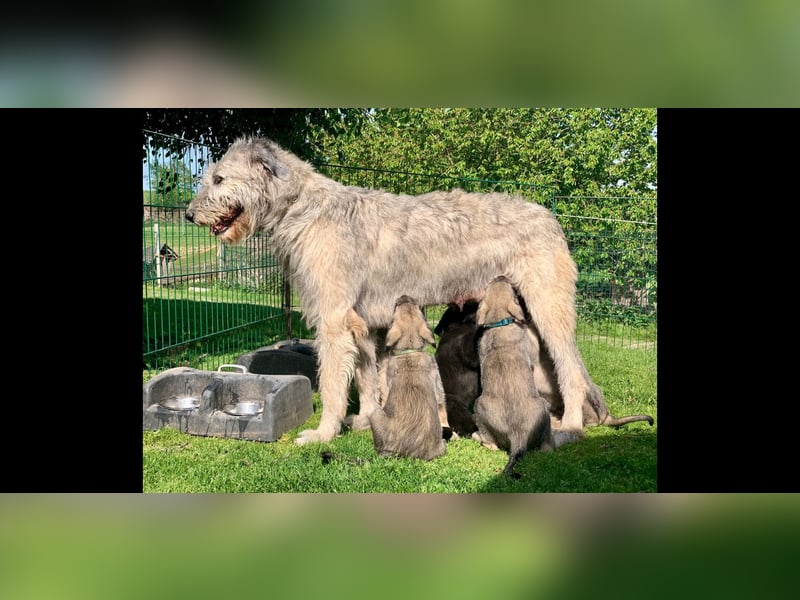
{"x":515,"y":310}
{"x":480,"y":315}
{"x":425,"y":334}
{"x":392,"y":336}
{"x":272,"y":163}
{"x":443,"y":322}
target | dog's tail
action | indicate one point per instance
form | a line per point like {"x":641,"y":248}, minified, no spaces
{"x":596,"y":400}
{"x":512,"y":462}
{"x":616,"y":423}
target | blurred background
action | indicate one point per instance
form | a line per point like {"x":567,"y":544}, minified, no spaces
{"x":414,"y":53}
{"x":715,"y":53}
{"x":515,"y":547}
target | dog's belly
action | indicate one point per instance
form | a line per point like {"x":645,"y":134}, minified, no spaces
{"x":376,"y":305}
{"x":433,"y":282}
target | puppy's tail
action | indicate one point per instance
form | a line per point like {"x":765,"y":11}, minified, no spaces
{"x":512,"y":462}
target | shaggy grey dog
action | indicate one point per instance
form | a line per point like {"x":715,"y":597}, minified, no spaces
{"x":510,"y":413}
{"x":347,"y":247}
{"x":411,"y":413}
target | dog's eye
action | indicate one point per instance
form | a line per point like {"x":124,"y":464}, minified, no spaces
{"x":217,"y":179}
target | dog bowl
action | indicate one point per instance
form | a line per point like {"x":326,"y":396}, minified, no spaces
{"x":180,"y":403}
{"x":245,"y":408}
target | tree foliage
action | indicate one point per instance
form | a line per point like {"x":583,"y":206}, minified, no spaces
{"x":588,"y":157}
{"x":171,"y":183}
{"x":294,"y":129}
{"x":582,"y":151}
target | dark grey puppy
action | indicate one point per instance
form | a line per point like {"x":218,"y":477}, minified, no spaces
{"x":411,"y":414}
{"x":457,"y":358}
{"x":510,"y":413}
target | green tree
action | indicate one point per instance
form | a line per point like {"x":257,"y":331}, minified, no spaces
{"x":575,"y":151}
{"x":587,"y":156}
{"x":171,"y":183}
{"x":294,"y":129}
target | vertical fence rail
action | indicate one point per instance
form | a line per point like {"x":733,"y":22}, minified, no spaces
{"x":204,"y":304}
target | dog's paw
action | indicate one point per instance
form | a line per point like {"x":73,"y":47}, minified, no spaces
{"x":357,"y":422}
{"x":311,"y":435}
{"x":566,"y":436}
{"x":485,"y":442}
{"x":447,"y":433}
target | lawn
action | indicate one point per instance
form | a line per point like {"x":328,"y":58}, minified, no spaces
{"x":607,"y":460}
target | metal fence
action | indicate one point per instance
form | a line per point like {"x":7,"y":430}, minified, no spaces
{"x":205,"y":303}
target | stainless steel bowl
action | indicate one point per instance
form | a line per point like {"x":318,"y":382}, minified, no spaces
{"x":181,"y":403}
{"x":245,"y":408}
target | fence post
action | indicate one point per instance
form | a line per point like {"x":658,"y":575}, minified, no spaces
{"x":156,"y":251}
{"x":287,"y":307}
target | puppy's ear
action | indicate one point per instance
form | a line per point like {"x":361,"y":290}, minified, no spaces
{"x":392,"y":336}
{"x":515,"y":310}
{"x":480,"y":315}
{"x":425,"y":334}
{"x":443,"y":322}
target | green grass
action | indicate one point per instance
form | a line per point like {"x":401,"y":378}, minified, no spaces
{"x":607,"y":460}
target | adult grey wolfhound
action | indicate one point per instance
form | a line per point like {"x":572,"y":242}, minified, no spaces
{"x":349,"y":248}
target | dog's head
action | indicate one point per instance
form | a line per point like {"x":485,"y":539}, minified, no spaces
{"x":243,"y":189}
{"x":500,"y":302}
{"x":409,"y":329}
{"x":455,"y":318}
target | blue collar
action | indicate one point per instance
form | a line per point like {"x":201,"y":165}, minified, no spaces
{"x":506,"y":321}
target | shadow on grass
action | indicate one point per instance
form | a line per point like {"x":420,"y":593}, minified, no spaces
{"x":605,"y":461}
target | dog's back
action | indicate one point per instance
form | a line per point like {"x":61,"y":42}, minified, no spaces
{"x":510,"y":413}
{"x":407,"y":421}
{"x":459,"y":368}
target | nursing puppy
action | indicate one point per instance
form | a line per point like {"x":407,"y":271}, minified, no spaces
{"x":457,"y":358}
{"x":411,"y":411}
{"x":510,"y":413}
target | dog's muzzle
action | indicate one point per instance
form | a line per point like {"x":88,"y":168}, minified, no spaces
{"x":189,"y":215}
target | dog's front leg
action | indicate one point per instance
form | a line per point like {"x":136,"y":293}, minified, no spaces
{"x":336,"y":350}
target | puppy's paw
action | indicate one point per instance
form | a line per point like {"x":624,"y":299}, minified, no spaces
{"x":483,"y":441}
{"x":357,"y":422}
{"x":566,"y":436}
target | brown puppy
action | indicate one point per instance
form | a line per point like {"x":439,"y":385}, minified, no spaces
{"x":411,"y":411}
{"x":510,"y":413}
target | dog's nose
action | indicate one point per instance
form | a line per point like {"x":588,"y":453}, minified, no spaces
{"x":190,"y":216}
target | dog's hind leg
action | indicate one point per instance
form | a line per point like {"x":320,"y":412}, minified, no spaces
{"x":366,"y":374}
{"x":512,"y":462}
{"x":550,"y":298}
{"x":441,"y":405}
{"x":337,"y":352}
